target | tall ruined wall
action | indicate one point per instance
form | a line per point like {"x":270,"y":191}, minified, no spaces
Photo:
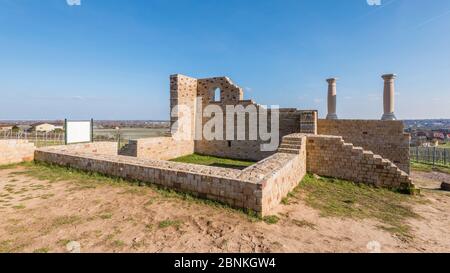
{"x":231,"y":94}
{"x":183,"y":93}
{"x":385,"y":138}
{"x":249,"y":149}
{"x":16,"y":151}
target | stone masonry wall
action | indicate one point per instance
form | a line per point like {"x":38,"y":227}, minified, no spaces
{"x":232,"y":94}
{"x":16,"y":151}
{"x":385,"y":138}
{"x":98,"y":148}
{"x":160,"y":148}
{"x":330,"y":156}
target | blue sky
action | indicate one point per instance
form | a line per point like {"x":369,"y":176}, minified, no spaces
{"x":111,"y":59}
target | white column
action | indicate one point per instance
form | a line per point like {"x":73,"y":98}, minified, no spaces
{"x":389,"y":97}
{"x":332,"y":98}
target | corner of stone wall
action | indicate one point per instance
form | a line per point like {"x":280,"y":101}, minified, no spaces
{"x":16,"y":151}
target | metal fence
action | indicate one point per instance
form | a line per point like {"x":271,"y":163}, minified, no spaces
{"x":431,"y":155}
{"x":42,"y":139}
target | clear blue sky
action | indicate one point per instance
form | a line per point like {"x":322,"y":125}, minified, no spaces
{"x":111,"y":59}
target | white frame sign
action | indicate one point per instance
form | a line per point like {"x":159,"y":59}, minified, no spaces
{"x":79,"y":131}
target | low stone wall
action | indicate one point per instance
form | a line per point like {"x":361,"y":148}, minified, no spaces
{"x":385,"y":138}
{"x":99,"y":148}
{"x":259,"y":188}
{"x":331,"y":156}
{"x":16,"y":151}
{"x":160,"y":148}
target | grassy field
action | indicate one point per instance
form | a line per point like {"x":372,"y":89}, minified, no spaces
{"x":332,"y":197}
{"x":339,"y":198}
{"x":446,"y":145}
{"x":421,"y":167}
{"x":214,"y":161}
{"x":112,"y":214}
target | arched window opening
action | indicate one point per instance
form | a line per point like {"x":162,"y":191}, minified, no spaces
{"x":216,"y":95}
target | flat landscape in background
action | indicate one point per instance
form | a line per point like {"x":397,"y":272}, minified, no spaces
{"x":43,"y":208}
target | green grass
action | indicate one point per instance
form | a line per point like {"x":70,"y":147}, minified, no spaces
{"x":8,"y":167}
{"x":422,"y":167}
{"x":338,"y":198}
{"x":170,"y":223}
{"x":271,"y":220}
{"x":65,"y":220}
{"x":42,"y":250}
{"x":106,"y":216}
{"x":214,"y":161}
{"x":446,"y":145}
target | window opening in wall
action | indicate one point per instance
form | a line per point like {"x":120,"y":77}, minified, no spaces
{"x":216,"y":95}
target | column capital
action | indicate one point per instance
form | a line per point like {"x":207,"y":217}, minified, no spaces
{"x":387,"y":77}
{"x":332,"y":80}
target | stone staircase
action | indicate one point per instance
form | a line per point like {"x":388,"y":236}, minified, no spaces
{"x":332,"y":156}
{"x":291,"y":145}
{"x":378,"y":161}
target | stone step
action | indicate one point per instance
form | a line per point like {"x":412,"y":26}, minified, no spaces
{"x":288,"y":138}
{"x":294,"y":142}
{"x":290,"y":146}
{"x":288,"y":151}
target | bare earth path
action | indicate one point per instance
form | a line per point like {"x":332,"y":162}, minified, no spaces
{"x":43,"y":216}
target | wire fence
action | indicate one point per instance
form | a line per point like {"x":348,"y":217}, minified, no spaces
{"x":40,"y":139}
{"x":431,"y":155}
{"x":43,"y":139}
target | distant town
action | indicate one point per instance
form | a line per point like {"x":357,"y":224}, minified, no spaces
{"x":429,"y":133}
{"x":424,"y":133}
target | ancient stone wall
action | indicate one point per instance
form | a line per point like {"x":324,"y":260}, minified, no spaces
{"x":331,"y":156}
{"x":98,"y":148}
{"x":385,"y":138}
{"x":160,"y":148}
{"x":16,"y":151}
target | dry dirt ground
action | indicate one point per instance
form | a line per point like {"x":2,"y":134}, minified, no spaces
{"x":41,"y":215}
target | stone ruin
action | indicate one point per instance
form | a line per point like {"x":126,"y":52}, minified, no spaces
{"x":374,"y":152}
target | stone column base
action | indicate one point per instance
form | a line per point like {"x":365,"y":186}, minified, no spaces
{"x":332,"y":116}
{"x":389,"y":116}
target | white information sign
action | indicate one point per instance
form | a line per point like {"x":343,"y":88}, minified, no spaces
{"x":78,"y":131}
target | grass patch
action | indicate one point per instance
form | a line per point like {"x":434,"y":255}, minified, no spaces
{"x":10,"y":246}
{"x":422,"y":167}
{"x":42,"y":250}
{"x":65,"y":220}
{"x":304,"y":223}
{"x":18,"y":207}
{"x":214,"y":161}
{"x":170,"y":223}
{"x":271,"y":220}
{"x":118,"y":243}
{"x":106,"y":216}
{"x":338,"y":198}
{"x":9,"y":166}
